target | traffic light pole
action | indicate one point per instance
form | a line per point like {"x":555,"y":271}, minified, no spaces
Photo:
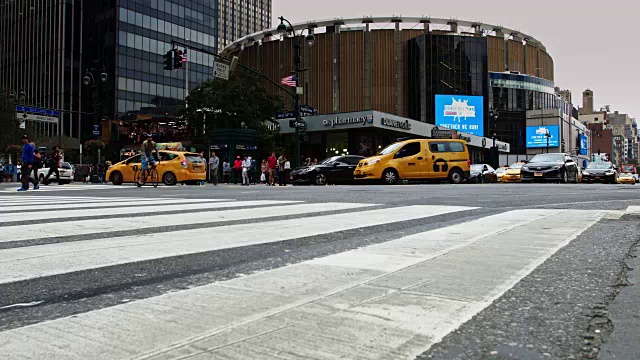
{"x":297,"y":61}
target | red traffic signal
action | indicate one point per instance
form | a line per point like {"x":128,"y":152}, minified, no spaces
{"x":178,"y":59}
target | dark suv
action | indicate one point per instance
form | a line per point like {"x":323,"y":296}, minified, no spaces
{"x":550,"y":167}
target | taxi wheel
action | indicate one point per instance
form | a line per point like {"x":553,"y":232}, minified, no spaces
{"x":455,"y":176}
{"x":390,"y":177}
{"x":116,"y":178}
{"x":169,"y":179}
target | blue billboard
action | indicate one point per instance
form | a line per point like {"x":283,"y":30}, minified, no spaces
{"x":537,"y":136}
{"x":461,"y":113}
{"x":583,"y":144}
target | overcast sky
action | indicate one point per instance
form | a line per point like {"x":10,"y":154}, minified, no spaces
{"x":594,"y":44}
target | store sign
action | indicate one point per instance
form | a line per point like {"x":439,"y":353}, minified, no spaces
{"x":462,"y":113}
{"x":537,"y":136}
{"x":437,"y":133}
{"x":398,"y":124}
{"x":583,"y":144}
{"x":246,"y":147}
{"x":340,"y":121}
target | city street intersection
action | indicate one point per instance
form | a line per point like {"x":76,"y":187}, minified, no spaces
{"x":496,"y":271}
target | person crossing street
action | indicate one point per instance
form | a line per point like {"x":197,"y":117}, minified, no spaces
{"x":53,"y":166}
{"x":27,"y":157}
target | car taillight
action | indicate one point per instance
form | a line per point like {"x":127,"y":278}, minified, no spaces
{"x":468,"y":162}
{"x":184,"y":163}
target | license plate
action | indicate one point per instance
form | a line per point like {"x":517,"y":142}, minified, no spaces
{"x":597,"y":177}
{"x":538,"y":174}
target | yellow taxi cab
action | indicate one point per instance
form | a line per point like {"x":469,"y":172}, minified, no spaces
{"x":513,"y":173}
{"x":417,"y":159}
{"x":500,"y":172}
{"x":174,"y":167}
{"x":626,"y":178}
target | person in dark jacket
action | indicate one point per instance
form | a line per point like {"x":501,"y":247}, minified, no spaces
{"x":53,"y":166}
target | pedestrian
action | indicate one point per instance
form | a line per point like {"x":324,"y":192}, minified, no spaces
{"x":28,"y":151}
{"x":37,"y":164}
{"x":315,"y":161}
{"x":1,"y":172}
{"x":54,"y":164}
{"x":281,"y":174}
{"x":214,"y":163}
{"x":226,"y":171}
{"x":264,"y":170}
{"x":254,"y":171}
{"x":286,"y":171}
{"x":101,"y":172}
{"x":246,"y":168}
{"x":237,"y":169}
{"x":272,"y":163}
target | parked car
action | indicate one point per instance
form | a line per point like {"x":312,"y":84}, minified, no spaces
{"x":513,"y":173}
{"x":174,"y":167}
{"x":626,"y":178}
{"x":557,"y":167}
{"x":418,"y":159}
{"x":501,"y":171}
{"x":334,"y":170}
{"x":66,"y":170}
{"x":482,"y":173}
{"x":600,"y":172}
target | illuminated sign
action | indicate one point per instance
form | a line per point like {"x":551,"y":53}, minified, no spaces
{"x":537,"y":136}
{"x":461,"y":113}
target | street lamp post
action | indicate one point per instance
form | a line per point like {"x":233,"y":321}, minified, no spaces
{"x":89,"y":80}
{"x":548,"y":136}
{"x":283,"y":30}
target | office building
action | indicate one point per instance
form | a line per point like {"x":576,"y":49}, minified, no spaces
{"x":47,"y":47}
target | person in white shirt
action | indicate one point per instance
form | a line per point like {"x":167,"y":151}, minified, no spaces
{"x":246,"y":167}
{"x":286,"y":169}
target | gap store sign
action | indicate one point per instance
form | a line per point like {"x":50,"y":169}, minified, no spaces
{"x":537,"y":136}
{"x":461,"y":113}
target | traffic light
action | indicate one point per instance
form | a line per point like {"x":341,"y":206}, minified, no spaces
{"x":179,"y":58}
{"x":168,"y":60}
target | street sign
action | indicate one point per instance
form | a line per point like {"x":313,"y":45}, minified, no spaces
{"x":97,"y":130}
{"x":300,"y":124}
{"x":39,"y":111}
{"x":285,"y":115}
{"x":306,"y":109}
{"x":33,"y":117}
{"x":221,"y":70}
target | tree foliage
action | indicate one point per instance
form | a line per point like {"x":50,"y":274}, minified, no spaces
{"x":226,"y":104}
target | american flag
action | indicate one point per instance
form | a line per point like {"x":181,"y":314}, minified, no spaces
{"x":289,"y":81}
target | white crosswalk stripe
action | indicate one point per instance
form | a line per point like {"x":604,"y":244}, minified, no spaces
{"x":70,"y":187}
{"x":389,"y":300}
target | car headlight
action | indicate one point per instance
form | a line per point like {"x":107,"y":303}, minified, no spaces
{"x":524,"y":168}
{"x":609,"y":173}
{"x":585,"y":173}
{"x":372,"y":162}
{"x":557,"y":167}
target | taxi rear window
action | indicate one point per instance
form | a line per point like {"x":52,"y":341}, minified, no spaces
{"x":195,"y":159}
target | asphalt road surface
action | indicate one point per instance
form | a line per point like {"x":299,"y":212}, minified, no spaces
{"x":496,"y":271}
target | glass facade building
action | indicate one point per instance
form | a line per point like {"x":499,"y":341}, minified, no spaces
{"x":444,"y":64}
{"x":512,"y":95}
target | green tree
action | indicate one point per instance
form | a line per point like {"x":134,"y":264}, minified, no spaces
{"x":226,"y":104}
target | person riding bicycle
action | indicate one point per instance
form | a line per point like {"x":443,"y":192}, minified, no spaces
{"x":148,"y":149}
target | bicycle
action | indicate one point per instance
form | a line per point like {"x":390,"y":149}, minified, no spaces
{"x":152,"y":175}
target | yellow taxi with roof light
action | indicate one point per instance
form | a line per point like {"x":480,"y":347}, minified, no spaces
{"x":512,"y":174}
{"x":174,"y":167}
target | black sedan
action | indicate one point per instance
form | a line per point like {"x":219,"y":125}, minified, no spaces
{"x":334,"y":170}
{"x":556,"y":167}
{"x":600,"y":172}
{"x":482,"y":173}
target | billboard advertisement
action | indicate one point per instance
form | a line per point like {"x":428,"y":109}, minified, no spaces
{"x":461,"y":113}
{"x":583,"y":144}
{"x":537,"y":136}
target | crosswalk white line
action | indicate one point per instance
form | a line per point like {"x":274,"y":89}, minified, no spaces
{"x":82,"y":227}
{"x":32,"y":262}
{"x":132,"y":210}
{"x":56,"y":206}
{"x":392,"y":300}
{"x":69,"y":187}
